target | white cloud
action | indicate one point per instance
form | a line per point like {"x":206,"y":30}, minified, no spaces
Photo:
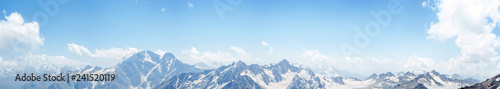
{"x":114,"y":53}
{"x":366,"y":65}
{"x":420,"y":63}
{"x":190,"y":5}
{"x":464,"y":17}
{"x":362,"y":65}
{"x":18,"y":35}
{"x":162,"y":9}
{"x":314,"y":55}
{"x":424,"y":4}
{"x":471,"y":22}
{"x":210,"y":58}
{"x":264,"y":43}
{"x":31,"y":60}
{"x":218,"y":58}
{"x":430,"y":4}
{"x":7,"y":63}
{"x":241,"y":53}
{"x":271,"y":50}
{"x":4,"y":11}
{"x":15,"y":34}
{"x":42,"y":59}
{"x":78,"y":49}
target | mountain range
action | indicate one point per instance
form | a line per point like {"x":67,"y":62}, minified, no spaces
{"x":146,"y":70}
{"x":280,"y":75}
{"x":143,"y":69}
{"x":286,"y":75}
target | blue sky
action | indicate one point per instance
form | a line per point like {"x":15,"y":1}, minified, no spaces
{"x":290,"y":28}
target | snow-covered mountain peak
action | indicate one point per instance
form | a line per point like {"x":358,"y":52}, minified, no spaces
{"x":239,"y":63}
{"x":87,"y":67}
{"x":373,"y":76}
{"x":284,"y":62}
{"x":168,"y":56}
{"x":454,"y":76}
{"x":409,"y":74}
{"x":434,"y":72}
{"x":145,"y":56}
{"x":388,"y":74}
{"x":145,"y":69}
